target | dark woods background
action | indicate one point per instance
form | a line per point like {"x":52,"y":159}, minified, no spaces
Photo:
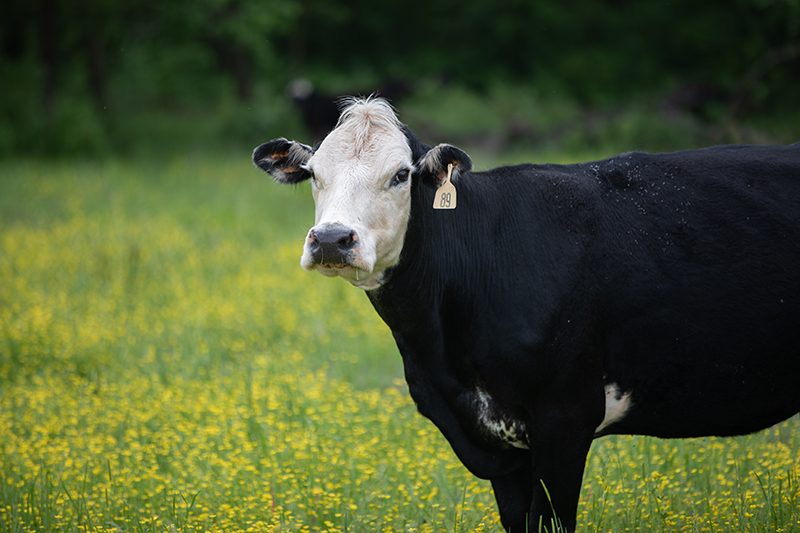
{"x":94,"y":77}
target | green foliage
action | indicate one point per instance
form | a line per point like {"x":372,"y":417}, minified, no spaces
{"x":87,"y":77}
{"x":75,"y":73}
{"x":511,"y":123}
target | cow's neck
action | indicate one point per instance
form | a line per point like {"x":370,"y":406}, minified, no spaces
{"x":411,"y":300}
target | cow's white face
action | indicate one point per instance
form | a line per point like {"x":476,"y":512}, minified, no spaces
{"x":361,"y":182}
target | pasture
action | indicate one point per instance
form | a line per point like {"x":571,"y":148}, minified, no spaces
{"x":165,"y":365}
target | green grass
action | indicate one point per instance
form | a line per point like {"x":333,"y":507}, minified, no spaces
{"x":165,"y":365}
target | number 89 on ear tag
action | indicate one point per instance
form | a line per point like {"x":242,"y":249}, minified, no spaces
{"x":445,"y":197}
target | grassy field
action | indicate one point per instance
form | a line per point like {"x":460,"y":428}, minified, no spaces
{"x":165,"y":365}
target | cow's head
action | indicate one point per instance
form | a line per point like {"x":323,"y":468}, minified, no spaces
{"x":361,"y":176}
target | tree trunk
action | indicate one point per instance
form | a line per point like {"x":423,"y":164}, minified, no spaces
{"x":98,"y":73}
{"x":48,"y":36}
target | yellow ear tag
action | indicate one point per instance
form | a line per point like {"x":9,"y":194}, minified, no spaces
{"x":446,"y":194}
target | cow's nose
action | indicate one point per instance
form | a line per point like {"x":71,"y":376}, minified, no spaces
{"x":332,"y":243}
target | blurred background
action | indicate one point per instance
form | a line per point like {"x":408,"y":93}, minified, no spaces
{"x":102,"y":77}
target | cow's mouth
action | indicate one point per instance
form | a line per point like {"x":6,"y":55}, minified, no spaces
{"x":357,"y":276}
{"x":348,"y":260}
{"x":345,"y":270}
{"x":333,"y":265}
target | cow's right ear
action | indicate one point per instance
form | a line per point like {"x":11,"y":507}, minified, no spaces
{"x":283,"y":160}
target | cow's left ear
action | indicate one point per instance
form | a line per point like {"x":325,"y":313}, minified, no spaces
{"x":438,"y":158}
{"x":283,"y":160}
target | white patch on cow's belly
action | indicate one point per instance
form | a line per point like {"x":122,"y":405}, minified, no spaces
{"x":617,"y":405}
{"x":510,"y":431}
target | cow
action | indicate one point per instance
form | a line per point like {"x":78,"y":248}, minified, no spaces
{"x":321,"y":111}
{"x":549,"y":305}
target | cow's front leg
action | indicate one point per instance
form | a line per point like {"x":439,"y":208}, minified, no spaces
{"x":559,"y":457}
{"x":513,"y":494}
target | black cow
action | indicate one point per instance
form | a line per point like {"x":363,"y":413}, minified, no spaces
{"x":321,"y":111}
{"x":643,"y":294}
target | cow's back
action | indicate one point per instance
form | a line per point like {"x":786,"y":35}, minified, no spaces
{"x":698,"y":269}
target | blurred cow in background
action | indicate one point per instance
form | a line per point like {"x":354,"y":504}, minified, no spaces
{"x":321,"y":111}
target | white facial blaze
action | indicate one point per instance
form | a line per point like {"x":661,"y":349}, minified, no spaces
{"x":354,"y":185}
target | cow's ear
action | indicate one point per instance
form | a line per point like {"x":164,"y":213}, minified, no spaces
{"x":283,"y":160}
{"x":438,"y":158}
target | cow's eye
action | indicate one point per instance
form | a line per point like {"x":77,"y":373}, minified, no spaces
{"x":401,"y":177}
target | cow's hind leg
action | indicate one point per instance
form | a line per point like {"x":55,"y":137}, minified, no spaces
{"x":513,"y":494}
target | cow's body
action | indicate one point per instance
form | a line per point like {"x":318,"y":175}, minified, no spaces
{"x":645,"y":294}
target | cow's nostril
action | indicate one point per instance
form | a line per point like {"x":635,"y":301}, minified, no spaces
{"x":313,"y":242}
{"x":347,"y":242}
{"x":332,"y":243}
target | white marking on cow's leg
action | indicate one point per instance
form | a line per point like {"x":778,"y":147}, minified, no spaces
{"x":617,"y":405}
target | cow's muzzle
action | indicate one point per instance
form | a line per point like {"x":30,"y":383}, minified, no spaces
{"x":332,"y":245}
